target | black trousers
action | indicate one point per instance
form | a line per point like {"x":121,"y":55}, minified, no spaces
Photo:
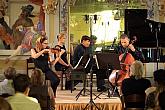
{"x":54,"y":79}
{"x":101,"y":74}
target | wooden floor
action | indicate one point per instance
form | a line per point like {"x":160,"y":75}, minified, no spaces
{"x":66,"y":101}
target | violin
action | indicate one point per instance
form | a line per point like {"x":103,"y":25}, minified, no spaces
{"x":53,"y":50}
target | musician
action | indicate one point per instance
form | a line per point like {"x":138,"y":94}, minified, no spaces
{"x":127,"y":55}
{"x":41,"y":54}
{"x":63,"y":55}
{"x":81,"y":50}
{"x":125,"y":44}
{"x":61,"y":40}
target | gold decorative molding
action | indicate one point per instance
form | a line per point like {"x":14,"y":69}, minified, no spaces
{"x":51,"y":6}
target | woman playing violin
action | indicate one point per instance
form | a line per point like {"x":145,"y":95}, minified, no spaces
{"x":41,"y":54}
{"x":127,"y":55}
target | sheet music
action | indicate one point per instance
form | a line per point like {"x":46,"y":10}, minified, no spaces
{"x":78,"y":62}
{"x":87,"y":63}
{"x":95,"y":57}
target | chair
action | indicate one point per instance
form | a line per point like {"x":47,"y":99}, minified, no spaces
{"x":5,"y":95}
{"x":77,"y":75}
{"x":134,"y":102}
{"x":29,"y":64}
{"x":62,"y":74}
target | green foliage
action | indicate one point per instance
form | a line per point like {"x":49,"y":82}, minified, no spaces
{"x":93,"y":37}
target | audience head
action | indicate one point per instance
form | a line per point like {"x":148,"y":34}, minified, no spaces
{"x":136,"y":69}
{"x":36,"y":77}
{"x":10,"y":72}
{"x":85,"y":40}
{"x":4,"y":105}
{"x":21,"y":83}
{"x":159,"y":77}
{"x":124,"y":40}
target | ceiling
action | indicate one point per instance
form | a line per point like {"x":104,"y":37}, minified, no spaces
{"x":90,"y":6}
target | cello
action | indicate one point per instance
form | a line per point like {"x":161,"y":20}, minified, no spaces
{"x":126,"y":59}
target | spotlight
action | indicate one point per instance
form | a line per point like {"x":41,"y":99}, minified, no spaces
{"x":95,"y":18}
{"x":86,"y":18}
{"x":117,"y":15}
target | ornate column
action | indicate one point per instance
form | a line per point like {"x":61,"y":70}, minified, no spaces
{"x":51,"y":20}
{"x":64,"y":21}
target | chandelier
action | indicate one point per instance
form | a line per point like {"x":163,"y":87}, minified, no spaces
{"x":51,"y":7}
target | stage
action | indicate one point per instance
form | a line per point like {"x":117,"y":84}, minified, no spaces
{"x":66,"y":101}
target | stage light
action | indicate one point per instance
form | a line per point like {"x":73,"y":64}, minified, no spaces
{"x":95,"y":18}
{"x":86,"y":18}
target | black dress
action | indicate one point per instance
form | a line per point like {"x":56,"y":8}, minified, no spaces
{"x":60,"y":67}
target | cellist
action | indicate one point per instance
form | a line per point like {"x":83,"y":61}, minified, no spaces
{"x":127,"y":55}
{"x":126,"y":43}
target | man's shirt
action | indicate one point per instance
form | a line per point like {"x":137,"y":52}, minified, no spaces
{"x":22,"y":102}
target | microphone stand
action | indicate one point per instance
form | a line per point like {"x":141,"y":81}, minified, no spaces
{"x":157,"y":48}
{"x":157,"y":29}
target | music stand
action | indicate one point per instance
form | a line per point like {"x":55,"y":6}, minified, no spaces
{"x":108,"y":61}
{"x":91,"y":102}
{"x":83,"y":65}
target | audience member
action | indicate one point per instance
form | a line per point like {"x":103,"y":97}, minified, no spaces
{"x":46,"y":97}
{"x":4,"y":105}
{"x":135,"y":84}
{"x":153,"y":92}
{"x":6,"y":86}
{"x":21,"y":100}
{"x":161,"y":99}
